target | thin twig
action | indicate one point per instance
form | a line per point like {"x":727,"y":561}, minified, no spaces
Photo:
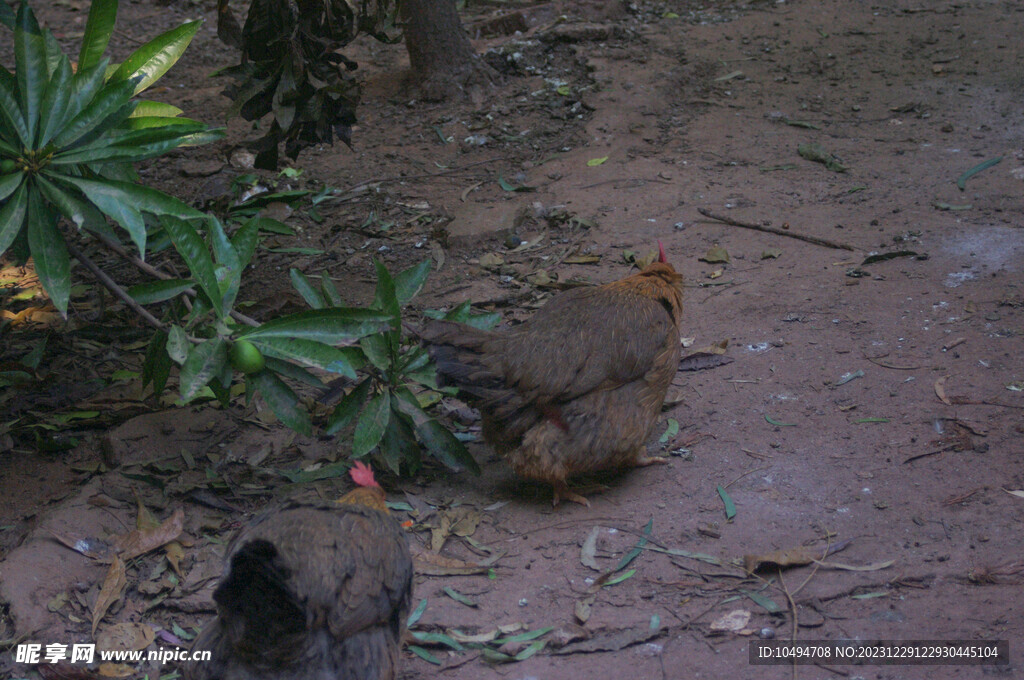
{"x":112,"y":286}
{"x":398,"y":178}
{"x":778,"y":232}
{"x":147,"y":268}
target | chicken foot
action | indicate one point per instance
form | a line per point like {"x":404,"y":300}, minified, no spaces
{"x":644,"y":461}
{"x":562,"y":490}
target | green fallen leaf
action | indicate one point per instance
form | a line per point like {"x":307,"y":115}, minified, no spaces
{"x":730,"y":507}
{"x":814,"y":152}
{"x":778,"y":423}
{"x":762,"y":601}
{"x":620,"y":578}
{"x":425,"y":655}
{"x":458,"y":597}
{"x":868,"y":596}
{"x":961,"y":181}
{"x":771,"y":254}
{"x":507,"y":186}
{"x":436,"y":639}
{"x":637,"y":549}
{"x":416,"y":614}
{"x":564,"y":90}
{"x":594,"y":162}
{"x":671,"y":431}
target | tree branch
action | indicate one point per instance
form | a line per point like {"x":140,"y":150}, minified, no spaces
{"x":112,"y":286}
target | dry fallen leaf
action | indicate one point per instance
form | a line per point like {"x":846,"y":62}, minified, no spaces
{"x":430,"y":564}
{"x":940,"y":390}
{"x":715,"y":254}
{"x":113,"y":586}
{"x":141,"y":541}
{"x":791,"y":557}
{"x":125,"y":636}
{"x":731,"y":622}
{"x":854,"y":567}
{"x":589,"y":550}
{"x":116,"y":670}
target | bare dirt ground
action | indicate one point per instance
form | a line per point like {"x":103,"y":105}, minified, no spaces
{"x":873,"y":407}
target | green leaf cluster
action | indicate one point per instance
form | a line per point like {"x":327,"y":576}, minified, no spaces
{"x":291,"y":69}
{"x":387,"y":404}
{"x":69,"y":135}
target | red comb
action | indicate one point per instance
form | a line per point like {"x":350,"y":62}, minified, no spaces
{"x":362,"y":474}
{"x":661,"y":253}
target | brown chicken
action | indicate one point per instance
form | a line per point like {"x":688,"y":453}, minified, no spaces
{"x":578,"y":387}
{"x":312,"y":591}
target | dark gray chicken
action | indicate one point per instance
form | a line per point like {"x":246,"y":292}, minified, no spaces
{"x":312,"y":591}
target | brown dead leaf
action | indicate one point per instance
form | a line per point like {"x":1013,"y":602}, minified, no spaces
{"x":114,"y":584}
{"x":874,"y":566}
{"x":588,"y":552}
{"x":714,"y":255}
{"x":431,"y":564}
{"x":93,"y":548}
{"x":583,"y":608}
{"x":731,"y":622}
{"x":116,"y":670}
{"x":141,"y":541}
{"x":790,"y":557}
{"x":612,"y":641}
{"x":124,"y":637}
{"x":582,"y":259}
{"x":940,"y":390}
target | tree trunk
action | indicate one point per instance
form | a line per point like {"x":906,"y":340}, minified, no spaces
{"x":443,"y":62}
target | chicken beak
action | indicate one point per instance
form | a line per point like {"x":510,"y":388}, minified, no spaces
{"x":661,"y":253}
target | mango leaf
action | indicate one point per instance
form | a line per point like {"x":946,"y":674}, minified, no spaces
{"x":205,"y":362}
{"x":10,"y":112}
{"x":111,"y":105}
{"x":12,"y":216}
{"x":245,"y":239}
{"x":330,"y":291}
{"x":49,"y":251}
{"x":156,"y":367}
{"x":192,"y":249}
{"x":376,"y":349}
{"x":306,"y":289}
{"x":408,"y":282}
{"x":55,"y":100}
{"x":371,"y":424}
{"x":441,"y":443}
{"x":229,"y":267}
{"x":82,"y":214}
{"x":347,"y":409}
{"x":384,"y":296}
{"x":398,"y":445}
{"x":309,"y":352}
{"x":331,"y":326}
{"x":281,"y":400}
{"x":290,"y":370}
{"x":147,"y":108}
{"x":152,"y":60}
{"x":32,"y":73}
{"x":178,"y":345}
{"x":98,"y":29}
{"x":159,"y":291}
